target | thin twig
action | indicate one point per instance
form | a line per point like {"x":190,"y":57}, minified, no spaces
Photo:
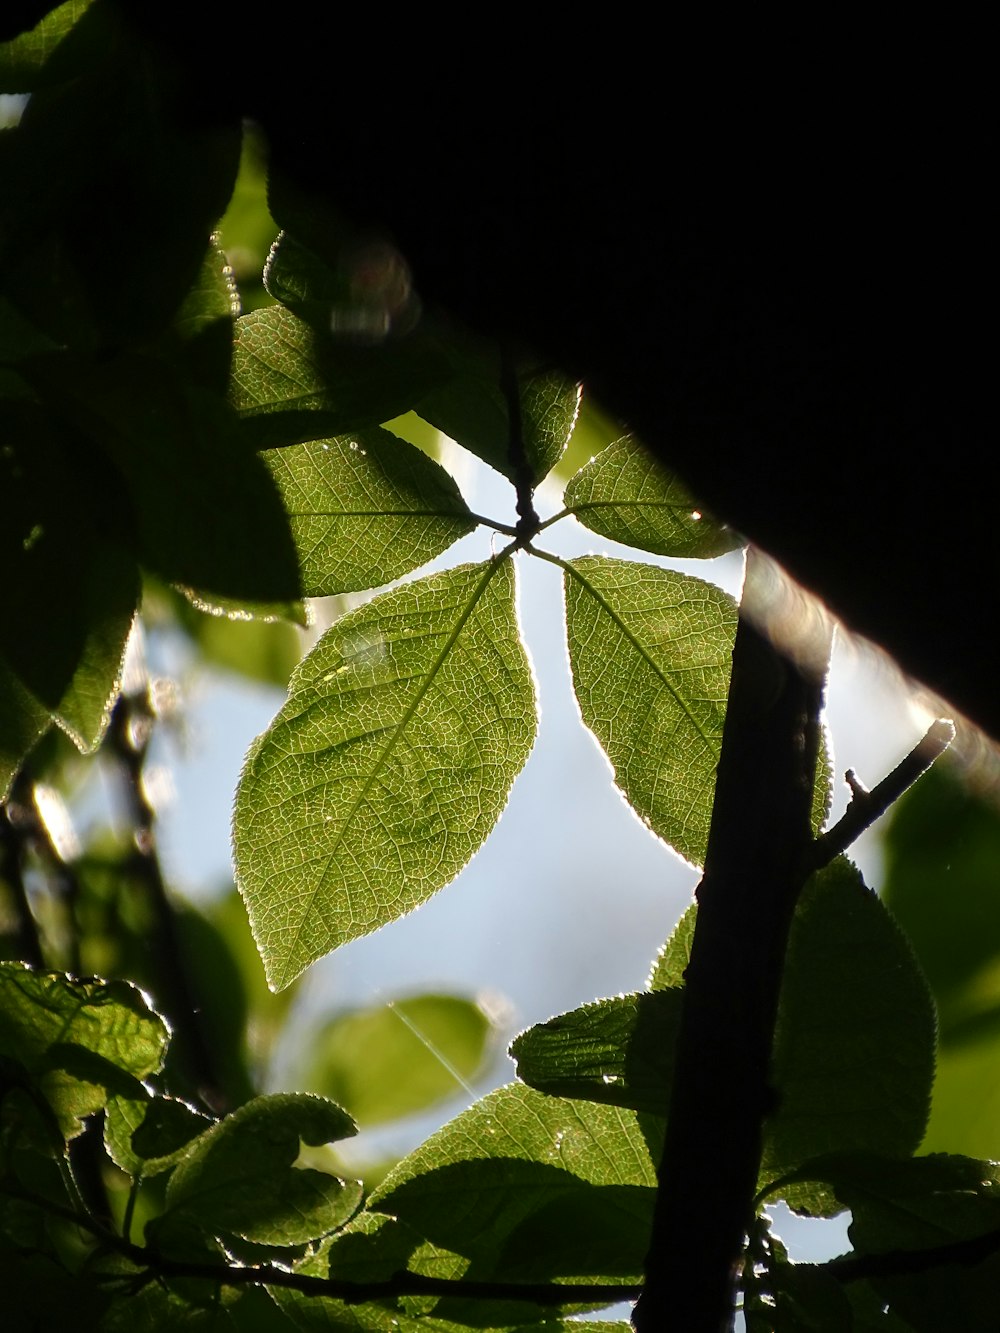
{"x":867,"y":806}
{"x":14,"y":835}
{"x":128,"y":740}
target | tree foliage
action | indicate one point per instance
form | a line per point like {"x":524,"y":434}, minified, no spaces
{"x":160,"y":448}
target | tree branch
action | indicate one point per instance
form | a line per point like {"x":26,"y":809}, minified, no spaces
{"x":755,"y":867}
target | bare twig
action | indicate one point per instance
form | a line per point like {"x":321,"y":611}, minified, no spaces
{"x":867,"y":806}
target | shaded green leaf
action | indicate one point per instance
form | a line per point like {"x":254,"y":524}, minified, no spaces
{"x":239,"y":1177}
{"x":853,"y":1059}
{"x":365,"y":295}
{"x":23,"y":61}
{"x":365,"y":509}
{"x":625,"y":494}
{"x":472,"y":408}
{"x":23,"y":721}
{"x":930,"y":1227}
{"x":500,"y":1182}
{"x":853,"y":1055}
{"x":205,"y":511}
{"x":146,"y":1136}
{"x":387,"y":767}
{"x":914,"y":1203}
{"x":79,"y":1041}
{"x":293,"y":382}
{"x":619,"y":1051}
{"x":651,"y":652}
{"x":390,"y":1060}
{"x":116,"y":130}
{"x":72,"y":592}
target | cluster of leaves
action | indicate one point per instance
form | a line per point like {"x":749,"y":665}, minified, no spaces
{"x":243,"y":459}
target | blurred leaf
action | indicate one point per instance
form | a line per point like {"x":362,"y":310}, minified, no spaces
{"x":293,"y":382}
{"x":365,"y":509}
{"x":651,"y":652}
{"x":942,"y":854}
{"x":625,"y":494}
{"x":79,"y":1041}
{"x":383,"y":773}
{"x":942,"y":850}
{"x":262,"y":649}
{"x":240,"y":1178}
{"x":471,"y":407}
{"x":390,"y":1060}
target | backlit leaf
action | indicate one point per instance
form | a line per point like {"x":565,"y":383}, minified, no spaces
{"x":619,"y":1051}
{"x":626,"y":494}
{"x":365,"y":509}
{"x":651,"y":652}
{"x":387,"y":767}
{"x":501,"y":1181}
{"x":239,"y":1177}
{"x":472,"y":408}
{"x":293,"y":382}
{"x":79,"y":1041}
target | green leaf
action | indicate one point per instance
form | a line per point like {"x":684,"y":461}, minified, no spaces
{"x":23,"y":61}
{"x":944,"y":839}
{"x":625,"y":494}
{"x":119,"y":128}
{"x":78,"y":1041}
{"x":853,"y":1059}
{"x":472,"y":409}
{"x":23,"y":721}
{"x":205,"y":510}
{"x":365,"y":509}
{"x":146,"y":1136}
{"x":239,"y":1178}
{"x":388,"y":766}
{"x":651,"y":653}
{"x":365,"y":296}
{"x":390,"y":1060}
{"x":673,"y":958}
{"x":619,"y":1051}
{"x":517,"y":1171}
{"x":293,"y":382}
{"x":72,"y":591}
{"x":906,"y":1210}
